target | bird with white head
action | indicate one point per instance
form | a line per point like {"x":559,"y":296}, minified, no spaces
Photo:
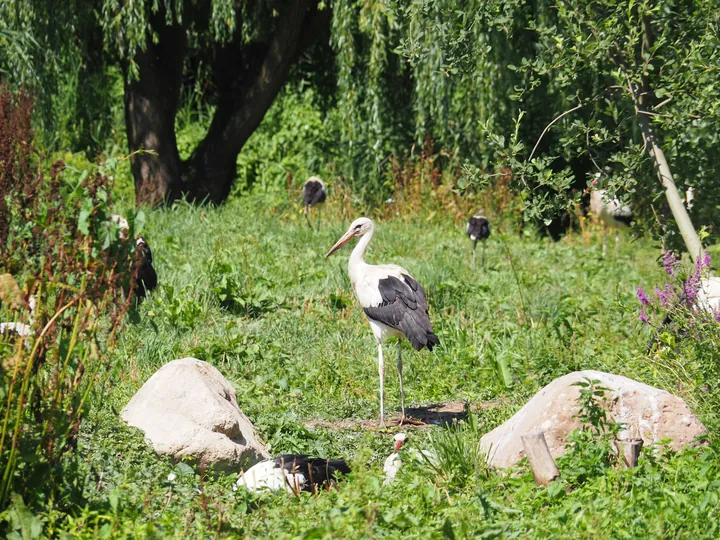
{"x":478,"y":228}
{"x":394,"y":461}
{"x":393,"y":301}
{"x":313,"y":194}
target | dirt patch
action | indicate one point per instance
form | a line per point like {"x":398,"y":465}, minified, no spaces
{"x":434,"y":414}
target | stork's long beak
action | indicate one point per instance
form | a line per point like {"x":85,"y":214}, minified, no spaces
{"x":398,"y":445}
{"x":340,"y":243}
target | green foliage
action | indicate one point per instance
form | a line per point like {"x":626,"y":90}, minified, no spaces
{"x":295,"y":141}
{"x":306,"y":376}
{"x":577,"y":73}
{"x":67,"y":272}
{"x":458,"y":460}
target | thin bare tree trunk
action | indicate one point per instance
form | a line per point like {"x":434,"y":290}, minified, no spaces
{"x":679,"y":212}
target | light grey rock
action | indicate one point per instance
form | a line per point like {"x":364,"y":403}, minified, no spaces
{"x":187,"y":408}
{"x":646,"y":412}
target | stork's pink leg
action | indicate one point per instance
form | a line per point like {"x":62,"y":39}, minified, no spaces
{"x":402,"y":393}
{"x":381,"y":372}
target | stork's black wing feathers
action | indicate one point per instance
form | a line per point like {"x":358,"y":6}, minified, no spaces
{"x":313,"y":193}
{"x":404,"y":307}
{"x":318,"y":471}
{"x":479,"y":227}
{"x":146,"y":279}
{"x":625,"y":218}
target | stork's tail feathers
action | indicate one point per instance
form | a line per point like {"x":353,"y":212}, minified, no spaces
{"x":428,"y":340}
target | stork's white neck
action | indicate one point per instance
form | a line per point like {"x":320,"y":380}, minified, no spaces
{"x":357,"y":257}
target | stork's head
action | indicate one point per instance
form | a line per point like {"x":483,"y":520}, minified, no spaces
{"x":399,"y":441}
{"x":315,"y":179}
{"x":359,"y":227}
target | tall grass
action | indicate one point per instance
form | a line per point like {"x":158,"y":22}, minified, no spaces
{"x":65,"y":271}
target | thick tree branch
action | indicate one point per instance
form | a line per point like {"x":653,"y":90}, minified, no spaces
{"x":210,"y":171}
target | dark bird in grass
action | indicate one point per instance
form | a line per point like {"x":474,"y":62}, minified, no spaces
{"x":393,"y":301}
{"x":146,"y":278}
{"x":478,"y":228}
{"x":294,"y":473}
{"x":313,"y":194}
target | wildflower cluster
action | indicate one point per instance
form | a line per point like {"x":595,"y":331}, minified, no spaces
{"x":678,"y":297}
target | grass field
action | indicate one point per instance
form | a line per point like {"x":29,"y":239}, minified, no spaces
{"x":246,"y":287}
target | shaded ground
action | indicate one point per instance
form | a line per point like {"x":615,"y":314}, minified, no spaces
{"x":434,"y":414}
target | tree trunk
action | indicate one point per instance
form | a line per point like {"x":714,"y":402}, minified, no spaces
{"x":679,"y":212}
{"x":150,"y":106}
{"x":641,"y":100}
{"x":210,"y":171}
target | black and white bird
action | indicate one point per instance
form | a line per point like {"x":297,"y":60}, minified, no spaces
{"x":478,"y":228}
{"x":293,"y":473}
{"x":313,"y":194}
{"x":612,"y":213}
{"x":146,"y":279}
{"x":393,"y":301}
{"x":395,"y":460}
{"x":689,"y":198}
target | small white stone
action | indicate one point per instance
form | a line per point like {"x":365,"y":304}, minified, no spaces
{"x":171,"y":477}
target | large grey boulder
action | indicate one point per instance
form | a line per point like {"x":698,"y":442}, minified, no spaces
{"x":187,"y":408}
{"x":647,"y":412}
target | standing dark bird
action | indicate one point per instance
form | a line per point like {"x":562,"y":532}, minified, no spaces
{"x":146,"y":279}
{"x":313,"y":194}
{"x":293,"y":473}
{"x":478,"y":228}
{"x":394,"y":303}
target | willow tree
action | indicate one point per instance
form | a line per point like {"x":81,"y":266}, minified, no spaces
{"x":629,"y":88}
{"x":240,"y":53}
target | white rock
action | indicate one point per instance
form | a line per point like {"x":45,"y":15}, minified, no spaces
{"x":646,"y":412}
{"x":187,"y":408}
{"x":708,"y":296}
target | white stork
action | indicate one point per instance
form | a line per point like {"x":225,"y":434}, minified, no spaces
{"x":293,"y":473}
{"x":612,"y":213}
{"x":313,"y":194}
{"x":394,"y":303}
{"x":395,"y":460}
{"x":478,"y":228}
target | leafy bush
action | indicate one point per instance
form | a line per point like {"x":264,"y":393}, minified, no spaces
{"x":239,"y":294}
{"x":460,"y":460}
{"x":67,"y":272}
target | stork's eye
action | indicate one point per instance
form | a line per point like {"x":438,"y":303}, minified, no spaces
{"x":357,"y":227}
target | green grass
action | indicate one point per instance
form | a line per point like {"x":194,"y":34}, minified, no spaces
{"x":246,"y":288}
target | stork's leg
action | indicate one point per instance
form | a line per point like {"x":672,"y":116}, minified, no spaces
{"x":483,"y":256}
{"x":402,"y":393}
{"x":617,"y":242}
{"x":307,"y":218}
{"x":381,"y":372}
{"x":604,"y":251}
{"x":317,"y":226}
{"x":474,"y":258}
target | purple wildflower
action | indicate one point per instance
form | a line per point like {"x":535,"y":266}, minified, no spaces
{"x":643,"y":316}
{"x":664,"y":295}
{"x":717,"y":315}
{"x":642,"y":297}
{"x":692,"y":286}
{"x":670,"y":262}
